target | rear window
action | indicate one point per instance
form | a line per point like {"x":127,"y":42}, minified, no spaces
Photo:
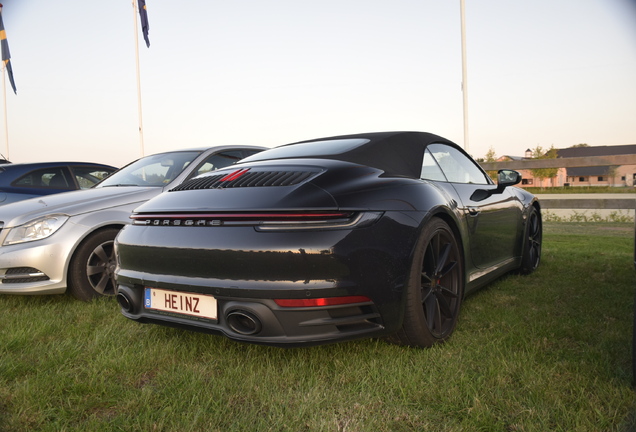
{"x":309,"y":149}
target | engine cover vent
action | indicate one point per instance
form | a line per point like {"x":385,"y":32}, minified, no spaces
{"x":246,"y":178}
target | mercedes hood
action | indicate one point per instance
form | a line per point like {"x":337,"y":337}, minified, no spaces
{"x":74,"y":203}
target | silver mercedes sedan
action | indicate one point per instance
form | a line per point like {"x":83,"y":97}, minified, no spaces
{"x":65,"y":241}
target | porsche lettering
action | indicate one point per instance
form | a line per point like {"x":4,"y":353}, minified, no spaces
{"x":179,"y":222}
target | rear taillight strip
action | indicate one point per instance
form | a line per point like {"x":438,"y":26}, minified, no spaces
{"x":275,"y":221}
{"x":244,"y":216}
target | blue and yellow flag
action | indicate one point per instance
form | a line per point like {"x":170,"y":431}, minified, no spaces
{"x":143,"y":15}
{"x":6,"y":55}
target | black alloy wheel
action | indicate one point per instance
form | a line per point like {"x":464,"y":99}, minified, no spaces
{"x":92,"y":269}
{"x":439,"y":291}
{"x":436,"y":288}
{"x":531,"y":256}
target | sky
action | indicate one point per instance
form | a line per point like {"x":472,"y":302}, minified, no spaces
{"x":539,"y":73}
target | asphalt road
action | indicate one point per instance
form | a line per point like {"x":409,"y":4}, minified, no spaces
{"x":604,"y":205}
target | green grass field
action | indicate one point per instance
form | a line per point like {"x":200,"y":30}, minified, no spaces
{"x":546,"y":352}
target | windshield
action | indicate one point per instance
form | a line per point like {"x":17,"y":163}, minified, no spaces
{"x":156,"y":170}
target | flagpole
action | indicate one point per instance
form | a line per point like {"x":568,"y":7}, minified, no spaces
{"x":4,"y":99}
{"x":141,"y":129}
{"x":5,"y":61}
{"x":464,"y":73}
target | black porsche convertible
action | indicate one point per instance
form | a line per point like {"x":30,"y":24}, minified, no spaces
{"x":368,"y":235}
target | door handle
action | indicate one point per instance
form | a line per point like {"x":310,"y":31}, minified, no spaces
{"x":473,"y":211}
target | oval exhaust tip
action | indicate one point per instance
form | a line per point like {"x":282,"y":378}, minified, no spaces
{"x":124,"y":302}
{"x":244,"y":322}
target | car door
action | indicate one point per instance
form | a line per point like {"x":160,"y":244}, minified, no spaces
{"x":493,"y":222}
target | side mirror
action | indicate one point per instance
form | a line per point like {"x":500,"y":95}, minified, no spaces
{"x":505,"y":178}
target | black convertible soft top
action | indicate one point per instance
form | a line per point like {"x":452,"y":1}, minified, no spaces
{"x":395,"y":153}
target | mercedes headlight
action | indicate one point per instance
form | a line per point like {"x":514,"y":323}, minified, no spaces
{"x":37,"y":229}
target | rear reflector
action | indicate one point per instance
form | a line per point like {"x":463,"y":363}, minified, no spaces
{"x":328,"y":301}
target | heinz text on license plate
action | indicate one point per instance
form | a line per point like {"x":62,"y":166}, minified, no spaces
{"x":184,"y":303}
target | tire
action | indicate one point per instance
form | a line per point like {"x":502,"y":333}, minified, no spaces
{"x":531,"y":255}
{"x":92,"y":268}
{"x":435,"y":288}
